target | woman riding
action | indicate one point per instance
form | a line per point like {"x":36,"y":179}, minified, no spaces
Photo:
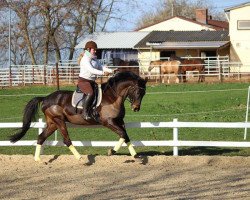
{"x":90,"y":68}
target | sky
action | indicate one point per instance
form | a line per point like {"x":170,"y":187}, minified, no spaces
{"x":145,"y":5}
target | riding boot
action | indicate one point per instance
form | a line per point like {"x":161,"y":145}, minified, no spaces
{"x":86,"y":105}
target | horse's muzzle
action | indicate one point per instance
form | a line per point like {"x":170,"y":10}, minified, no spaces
{"x":135,"y":108}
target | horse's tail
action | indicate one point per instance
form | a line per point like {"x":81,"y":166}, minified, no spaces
{"x":29,"y":115}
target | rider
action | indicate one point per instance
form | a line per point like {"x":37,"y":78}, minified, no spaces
{"x":90,"y":68}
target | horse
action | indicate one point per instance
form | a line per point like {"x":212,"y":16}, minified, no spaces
{"x":58,"y":110}
{"x":120,"y":62}
{"x":193,"y":65}
{"x":167,"y":67}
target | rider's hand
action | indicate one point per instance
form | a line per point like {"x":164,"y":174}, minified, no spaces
{"x":106,"y":73}
{"x":115,"y":70}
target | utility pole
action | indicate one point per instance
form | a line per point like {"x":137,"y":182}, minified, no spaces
{"x":10,"y":76}
{"x":172,"y":8}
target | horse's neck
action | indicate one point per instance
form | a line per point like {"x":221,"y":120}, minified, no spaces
{"x":121,"y":89}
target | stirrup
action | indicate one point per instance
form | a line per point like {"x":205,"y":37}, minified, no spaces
{"x":86,"y":117}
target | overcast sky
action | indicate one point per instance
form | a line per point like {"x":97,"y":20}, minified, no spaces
{"x":146,"y":5}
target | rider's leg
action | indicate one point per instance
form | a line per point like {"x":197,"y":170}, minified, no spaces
{"x":86,"y":87}
{"x":86,"y":106}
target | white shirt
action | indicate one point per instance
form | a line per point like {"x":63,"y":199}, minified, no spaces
{"x":90,"y":68}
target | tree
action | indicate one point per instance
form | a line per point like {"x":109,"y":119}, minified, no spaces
{"x":47,"y":31}
{"x":23,"y":10}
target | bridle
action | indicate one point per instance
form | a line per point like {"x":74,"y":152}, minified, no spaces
{"x":133,"y":88}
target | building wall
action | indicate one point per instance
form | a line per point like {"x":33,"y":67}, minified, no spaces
{"x":240,"y":39}
{"x":145,"y":56}
{"x":171,"y":25}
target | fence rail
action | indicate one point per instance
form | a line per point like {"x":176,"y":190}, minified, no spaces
{"x":175,"y":143}
{"x":68,"y":72}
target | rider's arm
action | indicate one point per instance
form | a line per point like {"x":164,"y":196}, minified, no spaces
{"x":86,"y":63}
{"x":103,"y":67}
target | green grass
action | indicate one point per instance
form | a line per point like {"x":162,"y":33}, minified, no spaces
{"x":218,"y":102}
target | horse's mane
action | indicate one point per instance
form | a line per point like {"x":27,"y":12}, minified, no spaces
{"x":120,"y":77}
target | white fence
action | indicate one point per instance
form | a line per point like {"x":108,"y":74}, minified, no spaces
{"x":175,"y":143}
{"x":68,"y":72}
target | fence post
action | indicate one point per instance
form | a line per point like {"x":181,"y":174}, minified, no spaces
{"x":44,"y":75}
{"x":220,"y":69}
{"x":10,"y":76}
{"x":175,"y":139}
{"x":40,"y":130}
{"x":57,"y":76}
{"x":239,"y":73}
{"x":246,"y":119}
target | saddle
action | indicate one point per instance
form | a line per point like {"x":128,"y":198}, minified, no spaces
{"x":78,"y":97}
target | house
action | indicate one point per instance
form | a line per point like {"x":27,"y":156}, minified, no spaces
{"x":181,"y":36}
{"x":201,"y":22}
{"x":163,"y":44}
{"x":239,"y":32}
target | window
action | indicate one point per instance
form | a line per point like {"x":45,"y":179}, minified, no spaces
{"x":166,"y":54}
{"x":243,"y":24}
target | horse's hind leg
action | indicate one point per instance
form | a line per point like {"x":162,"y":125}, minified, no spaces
{"x":66,"y":140}
{"x":51,"y":128}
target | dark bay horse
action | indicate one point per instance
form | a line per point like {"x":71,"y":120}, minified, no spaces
{"x":167,"y":67}
{"x":193,"y":65}
{"x":58,"y":110}
{"x":120,"y":62}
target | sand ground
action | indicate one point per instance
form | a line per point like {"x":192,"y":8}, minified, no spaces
{"x":119,"y":177}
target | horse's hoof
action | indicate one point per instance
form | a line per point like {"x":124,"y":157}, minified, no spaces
{"x":38,"y":160}
{"x":111,"y":152}
{"x":138,"y":159}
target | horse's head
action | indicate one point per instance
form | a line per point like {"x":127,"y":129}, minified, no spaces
{"x":151,"y":66}
{"x":127,"y":85}
{"x":155,"y":63}
{"x":136,"y":93}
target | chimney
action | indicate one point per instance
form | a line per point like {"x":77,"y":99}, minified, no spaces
{"x":201,"y":16}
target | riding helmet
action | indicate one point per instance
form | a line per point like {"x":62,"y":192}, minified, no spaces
{"x":90,"y":45}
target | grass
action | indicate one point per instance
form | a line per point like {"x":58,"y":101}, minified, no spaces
{"x":217,"y":102}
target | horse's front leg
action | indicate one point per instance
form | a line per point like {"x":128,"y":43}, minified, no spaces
{"x":119,"y":128}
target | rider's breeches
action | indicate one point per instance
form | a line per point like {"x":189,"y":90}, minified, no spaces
{"x":86,"y":86}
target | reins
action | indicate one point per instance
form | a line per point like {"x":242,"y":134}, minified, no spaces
{"x":134,"y":87}
{"x":114,"y":92}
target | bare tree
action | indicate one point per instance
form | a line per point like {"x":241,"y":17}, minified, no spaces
{"x":47,"y":31}
{"x":23,"y":10}
{"x":87,"y":17}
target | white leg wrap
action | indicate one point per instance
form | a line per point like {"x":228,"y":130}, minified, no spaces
{"x":119,"y":144}
{"x":38,"y":152}
{"x":131,"y":149}
{"x":75,"y":152}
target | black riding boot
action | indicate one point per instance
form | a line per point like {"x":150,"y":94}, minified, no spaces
{"x":86,"y":105}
